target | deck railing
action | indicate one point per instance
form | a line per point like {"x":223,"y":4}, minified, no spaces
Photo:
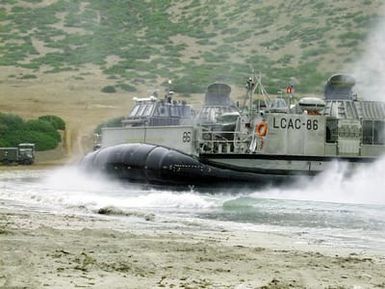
{"x":211,"y":140}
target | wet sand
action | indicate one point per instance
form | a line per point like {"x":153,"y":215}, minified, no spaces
{"x":46,"y":250}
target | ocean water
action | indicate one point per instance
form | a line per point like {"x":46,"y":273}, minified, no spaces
{"x":333,"y":209}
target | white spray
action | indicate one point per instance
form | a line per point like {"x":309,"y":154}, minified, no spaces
{"x":369,"y":69}
{"x":70,"y":187}
{"x":366,"y":186}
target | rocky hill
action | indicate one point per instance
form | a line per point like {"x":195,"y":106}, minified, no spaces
{"x":193,"y":42}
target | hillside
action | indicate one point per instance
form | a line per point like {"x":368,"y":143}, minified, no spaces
{"x":56,"y":56}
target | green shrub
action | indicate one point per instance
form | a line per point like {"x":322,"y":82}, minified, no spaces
{"x":57,"y":122}
{"x":44,"y":127}
{"x":42,"y":132}
{"x":28,"y":76}
{"x":109,"y":89}
{"x":10,"y":121}
{"x":126,"y":87}
{"x":187,"y":85}
{"x":42,"y":141}
{"x":114,"y":122}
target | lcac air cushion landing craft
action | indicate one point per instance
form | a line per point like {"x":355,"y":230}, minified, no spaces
{"x":273,"y":141}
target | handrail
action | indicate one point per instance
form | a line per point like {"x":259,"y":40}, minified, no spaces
{"x":222,"y":142}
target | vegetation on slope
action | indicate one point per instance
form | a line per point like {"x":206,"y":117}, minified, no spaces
{"x":193,"y":42}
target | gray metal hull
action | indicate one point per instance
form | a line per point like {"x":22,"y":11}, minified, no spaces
{"x":279,"y":165}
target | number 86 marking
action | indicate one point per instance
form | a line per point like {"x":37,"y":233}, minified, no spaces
{"x":186,"y":136}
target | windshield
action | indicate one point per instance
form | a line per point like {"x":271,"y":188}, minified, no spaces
{"x":228,"y":118}
{"x":148,"y":109}
{"x":134,"y":111}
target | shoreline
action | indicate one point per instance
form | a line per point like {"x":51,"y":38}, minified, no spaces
{"x":41,"y":249}
{"x":54,"y":163}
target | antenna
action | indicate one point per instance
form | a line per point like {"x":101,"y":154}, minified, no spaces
{"x":253,"y":83}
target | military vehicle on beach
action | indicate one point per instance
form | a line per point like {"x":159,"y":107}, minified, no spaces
{"x":23,"y":154}
{"x":271,"y":140}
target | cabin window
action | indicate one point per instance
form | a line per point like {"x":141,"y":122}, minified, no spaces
{"x":186,"y":112}
{"x":331,"y":130}
{"x":367,"y":132}
{"x":279,"y":103}
{"x":162,"y":110}
{"x":373,"y":132}
{"x":135,"y":110}
{"x":378,"y":132}
{"x":148,"y":109}
{"x":175,"y":111}
{"x":204,"y":114}
{"x":141,"y":110}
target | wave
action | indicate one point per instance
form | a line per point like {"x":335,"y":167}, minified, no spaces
{"x":69,"y":187}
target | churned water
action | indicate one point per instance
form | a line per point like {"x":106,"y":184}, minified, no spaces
{"x":332,"y":209}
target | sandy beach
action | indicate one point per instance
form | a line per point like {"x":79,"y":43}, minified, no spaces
{"x":56,"y":250}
